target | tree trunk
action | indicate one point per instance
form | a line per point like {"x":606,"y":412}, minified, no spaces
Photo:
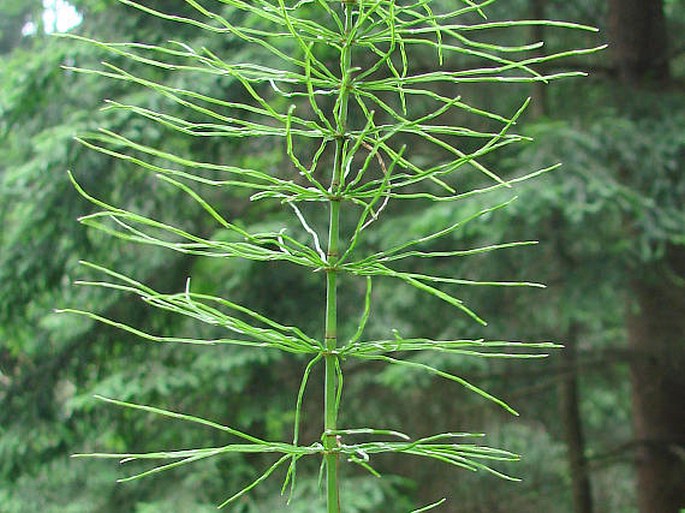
{"x":656,"y":309}
{"x":656,"y":330}
{"x":639,"y":40}
{"x":569,"y":411}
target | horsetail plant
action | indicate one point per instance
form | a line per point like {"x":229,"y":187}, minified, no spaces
{"x":363,"y":123}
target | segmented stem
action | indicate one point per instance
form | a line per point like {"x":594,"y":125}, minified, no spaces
{"x":331,"y":392}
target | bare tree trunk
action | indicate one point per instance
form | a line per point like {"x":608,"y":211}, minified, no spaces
{"x":656,"y":309}
{"x":573,"y":430}
{"x":569,"y":396}
{"x":656,"y":330}
{"x":639,"y":40}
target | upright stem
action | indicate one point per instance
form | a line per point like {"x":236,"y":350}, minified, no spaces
{"x":331,"y":392}
{"x":330,"y":386}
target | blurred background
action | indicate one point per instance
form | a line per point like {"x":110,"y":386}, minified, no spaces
{"x":602,"y":426}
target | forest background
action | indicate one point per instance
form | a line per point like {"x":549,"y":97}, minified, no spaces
{"x":602,"y":420}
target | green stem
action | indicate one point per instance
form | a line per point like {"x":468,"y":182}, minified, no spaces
{"x":331,"y":391}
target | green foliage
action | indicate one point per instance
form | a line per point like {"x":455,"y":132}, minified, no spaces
{"x":603,"y":182}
